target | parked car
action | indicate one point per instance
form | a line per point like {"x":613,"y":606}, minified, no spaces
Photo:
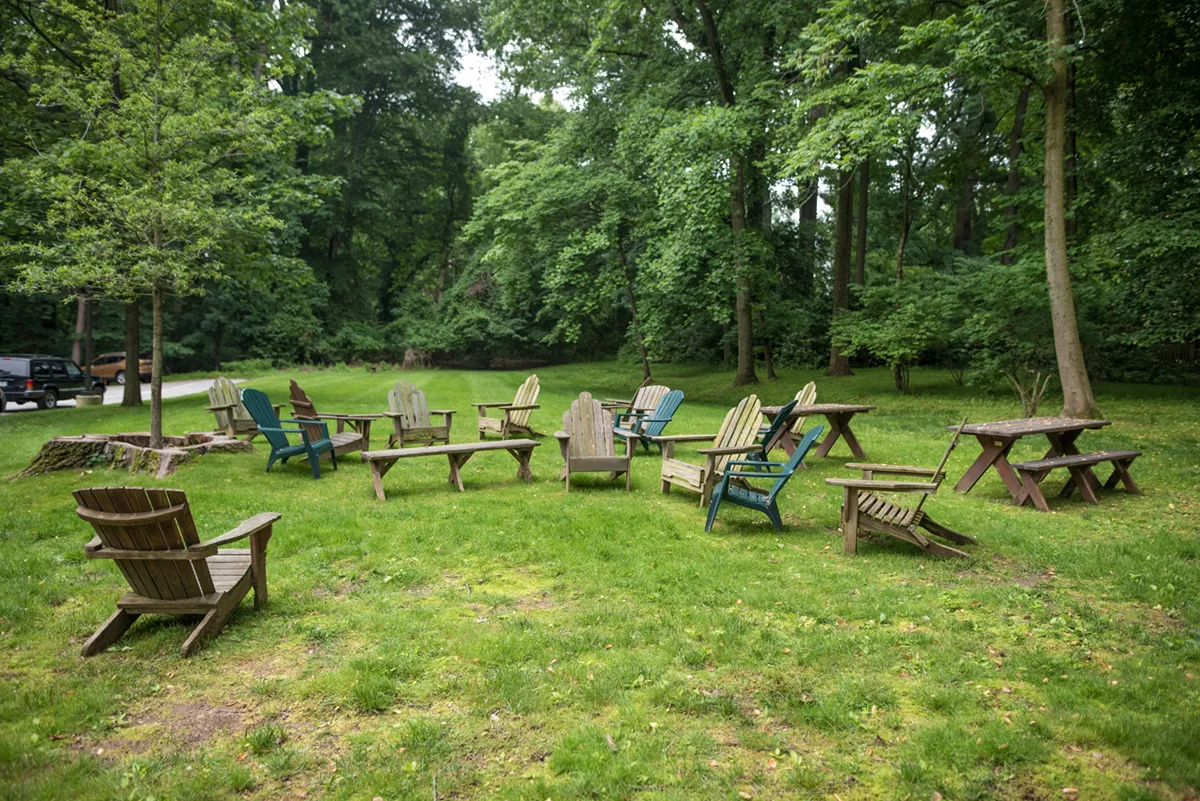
{"x":111,"y":367}
{"x":44,"y":380}
{"x":2,"y":401}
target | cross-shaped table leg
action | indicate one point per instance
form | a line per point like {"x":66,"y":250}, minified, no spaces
{"x":995,"y":454}
{"x":839,"y":426}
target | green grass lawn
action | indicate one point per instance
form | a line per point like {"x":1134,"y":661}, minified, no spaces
{"x":514,"y":642}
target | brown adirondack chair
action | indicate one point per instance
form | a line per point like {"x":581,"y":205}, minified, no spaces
{"x":410,"y":416}
{"x":515,"y":419}
{"x":151,"y":536}
{"x":738,"y":435}
{"x":635,"y":404}
{"x":358,"y":438}
{"x":864,"y":510}
{"x":225,"y":402}
{"x":587,"y":441}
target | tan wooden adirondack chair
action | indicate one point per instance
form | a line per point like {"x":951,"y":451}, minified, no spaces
{"x":410,"y":416}
{"x":645,"y":400}
{"x":587,"y":441}
{"x":358,"y":438}
{"x":225,"y":402}
{"x":864,"y":510}
{"x":738,"y":435}
{"x":516,"y":414}
{"x":805,"y":397}
{"x":152,"y":537}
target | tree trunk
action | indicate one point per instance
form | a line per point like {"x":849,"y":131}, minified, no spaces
{"x":963,"y":214}
{"x":839,"y":364}
{"x":1078,"y":400}
{"x":156,"y":370}
{"x":1014,"y":173}
{"x":633,"y":312}
{"x":88,"y":349}
{"x":860,"y":257}
{"x":80,"y":328}
{"x":133,"y":347}
{"x":906,"y":215}
{"x":218,"y":335}
{"x":1072,"y":153}
{"x":745,"y":321}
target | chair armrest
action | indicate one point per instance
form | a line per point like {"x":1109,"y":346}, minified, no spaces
{"x":732,"y":449}
{"x":508,"y":407}
{"x":618,"y":400}
{"x":349,"y":416}
{"x":220,"y":408}
{"x":684,"y":438}
{"x":94,"y":544}
{"x":393,"y":414}
{"x":284,"y":430}
{"x":491,"y":405}
{"x":750,"y":474}
{"x":884,"y":486}
{"x":756,"y":463}
{"x":443,"y":411}
{"x":243,"y":530}
{"x":892,"y":469}
{"x":561,"y":435}
{"x":625,"y":432}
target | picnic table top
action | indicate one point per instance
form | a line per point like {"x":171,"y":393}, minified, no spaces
{"x":441,"y":450}
{"x":1034,"y":425}
{"x":819,"y":408}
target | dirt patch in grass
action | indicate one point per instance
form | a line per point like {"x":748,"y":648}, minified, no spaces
{"x":181,"y":725}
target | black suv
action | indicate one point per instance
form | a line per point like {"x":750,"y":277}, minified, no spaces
{"x":44,"y":380}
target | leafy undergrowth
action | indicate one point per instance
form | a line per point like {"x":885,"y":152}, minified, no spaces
{"x":514,"y":642}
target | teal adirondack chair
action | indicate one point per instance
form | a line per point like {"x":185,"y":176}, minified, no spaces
{"x":643,"y":426}
{"x":313,"y":433}
{"x":733,"y":487}
{"x":769,"y":433}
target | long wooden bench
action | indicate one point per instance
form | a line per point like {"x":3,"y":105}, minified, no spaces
{"x":381,"y":461}
{"x":1080,"y":466}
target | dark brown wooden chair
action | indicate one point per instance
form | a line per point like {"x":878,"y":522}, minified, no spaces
{"x":151,"y":536}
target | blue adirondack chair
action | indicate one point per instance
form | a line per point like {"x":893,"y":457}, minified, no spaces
{"x":313,"y":433}
{"x":769,"y":432}
{"x":644,"y":426}
{"x":734,"y":489}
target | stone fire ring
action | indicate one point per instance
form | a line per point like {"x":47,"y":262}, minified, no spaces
{"x":129,"y":451}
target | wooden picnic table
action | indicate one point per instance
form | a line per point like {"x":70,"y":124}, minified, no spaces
{"x":838,"y":415}
{"x":997,"y":439}
{"x":381,"y":461}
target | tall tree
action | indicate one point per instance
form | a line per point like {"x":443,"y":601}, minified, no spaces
{"x":839,"y":363}
{"x":1078,"y":400}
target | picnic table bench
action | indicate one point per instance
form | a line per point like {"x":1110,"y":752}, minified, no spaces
{"x":1079,"y":465}
{"x":998,"y":438}
{"x":838,"y":415}
{"x":381,"y":461}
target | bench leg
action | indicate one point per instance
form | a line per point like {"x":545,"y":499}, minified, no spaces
{"x":523,"y":469}
{"x":1031,"y":491}
{"x":378,"y":471}
{"x":1080,"y":477}
{"x":457,"y":460}
{"x":1121,"y":472}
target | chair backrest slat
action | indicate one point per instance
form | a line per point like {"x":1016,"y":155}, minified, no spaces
{"x":648,"y":396}
{"x":259,"y":406}
{"x":938,"y":472}
{"x":167,"y":526}
{"x":409,"y":401}
{"x":663,"y":412}
{"x":223,"y":392}
{"x":304,"y":409}
{"x":740,"y":428}
{"x":526,"y":395}
{"x":805,"y":397}
{"x":590,"y":426}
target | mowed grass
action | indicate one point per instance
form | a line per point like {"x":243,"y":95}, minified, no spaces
{"x":514,"y":642}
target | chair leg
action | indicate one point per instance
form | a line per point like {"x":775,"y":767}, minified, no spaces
{"x":568,"y":477}
{"x":109,"y":632}
{"x":208,"y":628}
{"x":258,"y":565}
{"x":333,"y":457}
{"x":713,"y":505}
{"x":947,"y":533}
{"x":850,"y":521}
{"x":773,"y":512}
{"x":628,"y":476}
{"x":314,"y":461}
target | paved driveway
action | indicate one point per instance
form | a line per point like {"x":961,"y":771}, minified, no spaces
{"x":114,"y":392}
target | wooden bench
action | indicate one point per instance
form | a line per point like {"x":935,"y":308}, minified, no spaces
{"x":1080,"y":466}
{"x":382,"y":461}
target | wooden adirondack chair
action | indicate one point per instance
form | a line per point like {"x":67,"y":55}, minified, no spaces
{"x":314,"y":435}
{"x":410,"y":416}
{"x":807,"y":396}
{"x":357,"y":439}
{"x":644,"y":400}
{"x":740,"y":493}
{"x":738,"y":435}
{"x":863,"y":510}
{"x":644,"y":427}
{"x":226,"y":405}
{"x":515,"y":418}
{"x":152,"y":537}
{"x":587,"y":441}
{"x":613,"y":404}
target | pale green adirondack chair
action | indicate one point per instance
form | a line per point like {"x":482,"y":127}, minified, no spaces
{"x":410,"y":416}
{"x":738,"y":435}
{"x":587,"y":441}
{"x":225,"y":402}
{"x":515,"y":419}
